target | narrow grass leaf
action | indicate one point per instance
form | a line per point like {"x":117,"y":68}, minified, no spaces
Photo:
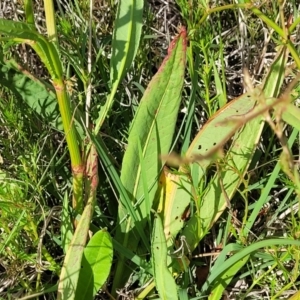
{"x":242,"y":254}
{"x":126,"y":37}
{"x":222,"y":281}
{"x":164,"y":281}
{"x":219,"y":86}
{"x":29,"y":13}
{"x":126,"y":40}
{"x":96,"y":264}
{"x":13,"y":231}
{"x":133,"y":257}
{"x":267,"y":189}
{"x":124,"y":198}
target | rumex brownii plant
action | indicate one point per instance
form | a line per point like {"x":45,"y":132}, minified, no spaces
{"x":178,"y":207}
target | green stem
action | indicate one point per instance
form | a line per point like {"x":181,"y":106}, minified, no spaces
{"x":65,"y":111}
{"x":50,"y":20}
{"x":71,"y":138}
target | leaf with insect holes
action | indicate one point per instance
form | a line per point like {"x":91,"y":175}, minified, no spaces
{"x":234,"y":166}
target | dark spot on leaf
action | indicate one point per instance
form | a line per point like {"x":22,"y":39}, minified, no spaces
{"x":169,"y":233}
{"x":199,"y":147}
{"x":214,"y":143}
{"x":237,"y":111}
{"x":176,"y":217}
{"x":157,"y":248}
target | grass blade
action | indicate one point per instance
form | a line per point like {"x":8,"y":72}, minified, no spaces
{"x":126,"y":39}
{"x":267,"y":188}
{"x":242,"y":254}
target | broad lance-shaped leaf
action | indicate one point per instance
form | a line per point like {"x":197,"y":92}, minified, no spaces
{"x":153,"y":127}
{"x":178,"y":192}
{"x":238,"y":157}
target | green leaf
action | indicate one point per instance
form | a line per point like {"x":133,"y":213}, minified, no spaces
{"x":96,"y":264}
{"x":224,"y":279}
{"x":69,"y":276}
{"x":221,"y":95}
{"x":266,"y":191}
{"x":26,"y":33}
{"x":153,"y":127}
{"x":291,"y":115}
{"x":126,"y":37}
{"x":32,"y":92}
{"x":164,"y":281}
{"x":124,"y":198}
{"x":154,"y":124}
{"x":68,"y":281}
{"x":66,"y":224}
{"x":242,"y":253}
{"x":174,"y":198}
{"x":238,"y":157}
{"x":126,"y":40}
